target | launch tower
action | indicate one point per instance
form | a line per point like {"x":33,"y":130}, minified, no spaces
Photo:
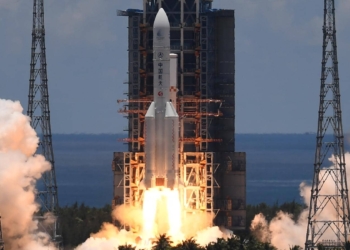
{"x":39,"y":112}
{"x":328,"y":220}
{"x":213,"y":174}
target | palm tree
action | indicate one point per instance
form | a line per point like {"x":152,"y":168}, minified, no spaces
{"x":189,"y":244}
{"x":295,"y":248}
{"x":210,"y":246}
{"x":320,"y":246}
{"x":220,"y":244}
{"x":162,"y":242}
{"x":235,"y":243}
{"x":268,"y":246}
{"x":126,"y":247}
{"x":253,"y":244}
{"x":347,"y":245}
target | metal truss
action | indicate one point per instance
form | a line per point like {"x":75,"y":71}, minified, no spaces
{"x":192,"y":32}
{"x":196,"y":176}
{"x":39,"y":112}
{"x":328,"y":220}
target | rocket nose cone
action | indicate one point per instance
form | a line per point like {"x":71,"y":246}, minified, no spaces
{"x":161,"y":20}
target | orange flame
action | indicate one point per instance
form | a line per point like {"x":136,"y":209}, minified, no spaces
{"x":162,"y":213}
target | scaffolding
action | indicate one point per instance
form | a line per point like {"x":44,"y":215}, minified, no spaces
{"x":204,"y":103}
{"x":196,"y":188}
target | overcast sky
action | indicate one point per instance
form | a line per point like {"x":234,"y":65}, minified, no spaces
{"x":278,"y":62}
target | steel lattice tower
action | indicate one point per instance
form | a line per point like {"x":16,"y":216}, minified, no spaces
{"x":39,"y":112}
{"x":328,"y":220}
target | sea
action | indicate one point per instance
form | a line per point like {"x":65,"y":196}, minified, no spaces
{"x":276,"y":165}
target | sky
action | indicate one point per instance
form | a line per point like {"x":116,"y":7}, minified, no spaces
{"x":278,"y":62}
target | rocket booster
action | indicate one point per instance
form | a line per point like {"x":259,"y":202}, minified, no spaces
{"x":161,"y":120}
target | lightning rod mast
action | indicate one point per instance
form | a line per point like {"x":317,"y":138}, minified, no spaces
{"x":328,"y":220}
{"x":39,"y":112}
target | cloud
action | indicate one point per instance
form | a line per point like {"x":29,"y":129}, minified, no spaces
{"x":9,"y":4}
{"x":342,"y":15}
{"x":293,"y":20}
{"x":81,"y":21}
{"x":91,"y":22}
{"x":15,"y":18}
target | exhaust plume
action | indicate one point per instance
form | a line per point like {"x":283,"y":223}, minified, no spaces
{"x":19,"y":171}
{"x":283,"y":232}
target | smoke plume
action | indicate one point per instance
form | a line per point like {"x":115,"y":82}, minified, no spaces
{"x":110,"y":237}
{"x":284,"y":232}
{"x":19,"y":171}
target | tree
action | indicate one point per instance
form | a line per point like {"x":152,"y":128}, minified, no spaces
{"x":253,"y":244}
{"x":320,"y":247}
{"x":126,"y":247}
{"x":220,"y":244}
{"x":78,"y":222}
{"x":235,"y":242}
{"x":189,"y":244}
{"x":295,"y":248}
{"x":210,"y":246}
{"x":347,"y":245}
{"x":163,"y":242}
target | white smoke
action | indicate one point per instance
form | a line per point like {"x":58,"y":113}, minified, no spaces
{"x":283,"y":232}
{"x":19,"y":171}
{"x":196,"y":226}
{"x":108,"y":238}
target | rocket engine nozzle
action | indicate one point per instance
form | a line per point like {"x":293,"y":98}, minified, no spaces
{"x":160,"y":182}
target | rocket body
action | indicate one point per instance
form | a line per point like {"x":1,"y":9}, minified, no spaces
{"x":161,"y":120}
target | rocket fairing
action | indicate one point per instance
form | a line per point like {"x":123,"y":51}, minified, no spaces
{"x":161,"y":120}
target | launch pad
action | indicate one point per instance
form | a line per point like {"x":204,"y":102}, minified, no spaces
{"x":197,"y":176}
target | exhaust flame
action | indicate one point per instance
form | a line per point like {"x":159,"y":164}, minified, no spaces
{"x":174,"y":212}
{"x":149,"y":212}
{"x":162,"y":213}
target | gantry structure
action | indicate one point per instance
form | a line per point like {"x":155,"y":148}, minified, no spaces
{"x":328,"y":220}
{"x":213,"y":174}
{"x":39,"y":112}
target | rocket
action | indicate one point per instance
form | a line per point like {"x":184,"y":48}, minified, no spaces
{"x":161,"y":120}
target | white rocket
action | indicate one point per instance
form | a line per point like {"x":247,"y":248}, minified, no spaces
{"x":162,"y":121}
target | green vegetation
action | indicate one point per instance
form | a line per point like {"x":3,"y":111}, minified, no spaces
{"x":235,"y":243}
{"x":78,"y":222}
{"x":270,"y":212}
